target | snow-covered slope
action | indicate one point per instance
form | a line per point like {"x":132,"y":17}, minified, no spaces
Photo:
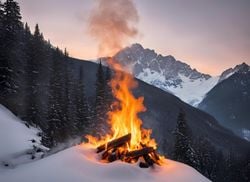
{"x":17,"y":141}
{"x":167,"y":73}
{"x":80,"y":164}
{"x":76,"y":164}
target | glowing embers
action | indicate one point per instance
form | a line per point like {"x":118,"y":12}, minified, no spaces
{"x":118,"y":149}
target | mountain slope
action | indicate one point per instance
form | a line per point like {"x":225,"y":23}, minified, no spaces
{"x":167,"y":73}
{"x":161,"y":115}
{"x":229,"y":101}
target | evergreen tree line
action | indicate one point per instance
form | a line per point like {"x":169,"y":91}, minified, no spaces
{"x":40,"y":84}
{"x":203,"y":156}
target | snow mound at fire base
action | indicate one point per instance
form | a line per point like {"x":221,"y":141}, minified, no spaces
{"x":77,"y":164}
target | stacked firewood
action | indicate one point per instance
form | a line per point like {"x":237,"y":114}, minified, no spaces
{"x":116,"y":150}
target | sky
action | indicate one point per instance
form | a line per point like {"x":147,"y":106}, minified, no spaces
{"x":209,"y":35}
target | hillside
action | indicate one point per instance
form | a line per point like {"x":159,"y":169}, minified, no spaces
{"x":161,"y":116}
{"x":229,"y":101}
{"x":19,"y":143}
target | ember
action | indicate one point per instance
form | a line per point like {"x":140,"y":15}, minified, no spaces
{"x":114,"y":150}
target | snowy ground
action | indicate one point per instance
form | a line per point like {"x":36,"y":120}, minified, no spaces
{"x":76,"y":164}
{"x":18,"y":143}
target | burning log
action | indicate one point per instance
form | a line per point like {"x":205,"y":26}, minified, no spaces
{"x":114,"y":143}
{"x":114,"y":150}
{"x":144,"y":152}
{"x":112,"y":158}
{"x":148,"y":159}
{"x":143,"y":165}
{"x":139,"y":153}
{"x":105,"y":154}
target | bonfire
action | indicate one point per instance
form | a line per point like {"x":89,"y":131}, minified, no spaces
{"x":128,"y":141}
{"x":111,"y":23}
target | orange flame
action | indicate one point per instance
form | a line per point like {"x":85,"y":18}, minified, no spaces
{"x":124,"y":118}
{"x":112,"y":24}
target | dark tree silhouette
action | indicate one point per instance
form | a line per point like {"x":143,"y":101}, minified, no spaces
{"x":82,"y":118}
{"x":183,"y":150}
{"x":100,"y":106}
{"x":11,"y":27}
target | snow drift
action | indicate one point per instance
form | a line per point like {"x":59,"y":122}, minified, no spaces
{"x":80,"y":164}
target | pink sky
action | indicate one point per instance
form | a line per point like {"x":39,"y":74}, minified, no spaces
{"x":209,"y":35}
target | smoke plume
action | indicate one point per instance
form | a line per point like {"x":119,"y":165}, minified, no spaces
{"x":112,"y":23}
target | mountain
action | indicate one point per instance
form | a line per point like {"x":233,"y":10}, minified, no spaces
{"x":229,"y":100}
{"x":167,"y":73}
{"x":191,"y":86}
{"x":241,"y":68}
{"x":162,"y":111}
{"x":161,"y":116}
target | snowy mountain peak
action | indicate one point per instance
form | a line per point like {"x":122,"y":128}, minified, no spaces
{"x":241,"y":68}
{"x":166,"y":72}
{"x":171,"y":75}
{"x":141,"y":58}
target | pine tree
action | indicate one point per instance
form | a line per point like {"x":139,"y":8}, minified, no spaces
{"x":3,"y":61}
{"x":26,"y":86}
{"x":35,"y":62}
{"x":246,"y":167}
{"x":234,"y":167}
{"x":68,"y":102}
{"x":220,"y":167}
{"x":66,"y":54}
{"x":1,"y":22}
{"x":207,"y":158}
{"x":100,"y":105}
{"x":82,"y":119}
{"x":108,"y":90}
{"x":20,"y":68}
{"x":67,"y":81}
{"x":48,"y":135}
{"x":11,"y":32}
{"x":55,"y":132}
{"x":183,"y":150}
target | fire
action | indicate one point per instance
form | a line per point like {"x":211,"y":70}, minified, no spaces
{"x":112,"y":24}
{"x":124,"y":118}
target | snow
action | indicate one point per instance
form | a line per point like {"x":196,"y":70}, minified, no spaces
{"x":189,"y":90}
{"x":15,"y":139}
{"x":81,"y":163}
{"x":149,"y":76}
{"x":228,"y":75}
{"x":14,"y":135}
{"x":246,"y":134}
{"x":193,"y":91}
{"x":77,"y":164}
